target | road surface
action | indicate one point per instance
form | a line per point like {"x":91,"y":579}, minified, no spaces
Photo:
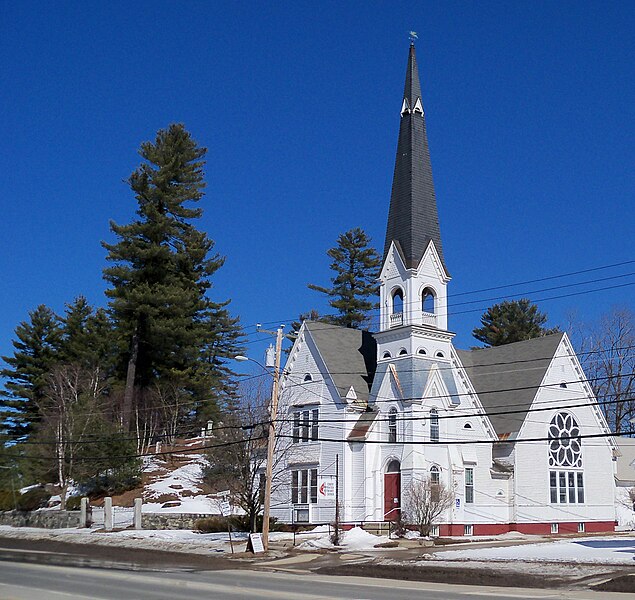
{"x":32,"y":581}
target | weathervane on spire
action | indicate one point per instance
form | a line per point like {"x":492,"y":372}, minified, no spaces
{"x":412,"y":36}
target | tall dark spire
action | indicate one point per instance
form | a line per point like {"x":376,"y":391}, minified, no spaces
{"x":412,"y":219}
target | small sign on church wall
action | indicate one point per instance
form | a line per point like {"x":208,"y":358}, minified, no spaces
{"x":326,"y":488}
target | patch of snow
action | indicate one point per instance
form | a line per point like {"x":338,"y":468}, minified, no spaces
{"x":359,"y":539}
{"x":606,"y":550}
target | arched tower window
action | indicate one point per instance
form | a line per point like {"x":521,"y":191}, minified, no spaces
{"x":428,"y":301}
{"x":434,"y":425}
{"x":392,"y":426}
{"x":397,"y":302}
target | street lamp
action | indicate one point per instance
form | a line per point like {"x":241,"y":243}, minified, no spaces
{"x":272,"y":429}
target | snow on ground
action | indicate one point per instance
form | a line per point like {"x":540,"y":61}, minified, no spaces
{"x":604,"y":550}
{"x":354,"y":539}
{"x":177,"y":490}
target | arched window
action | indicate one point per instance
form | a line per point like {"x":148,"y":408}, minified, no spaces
{"x":397,"y":301}
{"x":393,"y":467}
{"x":427,"y":301}
{"x":403,"y":352}
{"x":386,"y":354}
{"x":434,"y":475}
{"x":422,"y":351}
{"x":439,"y":355}
{"x":467,"y":426}
{"x":308,"y":377}
{"x":435,"y":484}
{"x":566,"y":478}
{"x":392,"y":426}
{"x":564,"y":443}
{"x":434,"y":425}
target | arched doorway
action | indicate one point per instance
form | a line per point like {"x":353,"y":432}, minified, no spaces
{"x":392,"y":491}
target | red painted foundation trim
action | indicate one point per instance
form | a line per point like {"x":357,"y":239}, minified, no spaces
{"x":457,"y":529}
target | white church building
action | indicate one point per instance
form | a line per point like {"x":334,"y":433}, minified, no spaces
{"x":513,"y":431}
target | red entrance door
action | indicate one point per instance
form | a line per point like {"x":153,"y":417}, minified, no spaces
{"x":392,"y":496}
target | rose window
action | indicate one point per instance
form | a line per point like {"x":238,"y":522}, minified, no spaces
{"x":564,"y":442}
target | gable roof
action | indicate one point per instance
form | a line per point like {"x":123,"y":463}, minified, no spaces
{"x":412,"y":218}
{"x":349,"y":355}
{"x":413,"y":374}
{"x":519,"y":367}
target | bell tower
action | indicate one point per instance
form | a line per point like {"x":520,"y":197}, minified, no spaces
{"x":414,"y":276}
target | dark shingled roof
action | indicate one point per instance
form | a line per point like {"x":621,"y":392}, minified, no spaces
{"x":349,"y":354}
{"x":412,"y":219}
{"x":526,"y":366}
{"x":362,"y":427}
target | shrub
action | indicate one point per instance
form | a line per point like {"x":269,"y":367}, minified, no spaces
{"x":73,"y":503}
{"x":33,"y":499}
{"x":211,"y":525}
{"x":237,"y":522}
{"x":7,"y":499}
{"x":113,"y":482}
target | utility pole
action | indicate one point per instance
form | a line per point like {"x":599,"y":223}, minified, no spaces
{"x":272,"y":439}
{"x":336,"y":534}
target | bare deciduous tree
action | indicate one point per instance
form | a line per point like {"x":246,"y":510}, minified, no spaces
{"x":238,"y":458}
{"x":607,"y":352}
{"x":425,"y":502}
{"x":69,"y":413}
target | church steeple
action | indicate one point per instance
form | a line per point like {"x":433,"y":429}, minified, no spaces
{"x":412,"y":218}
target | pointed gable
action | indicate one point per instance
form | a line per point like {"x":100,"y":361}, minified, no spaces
{"x":508,"y":377}
{"x":412,"y":219}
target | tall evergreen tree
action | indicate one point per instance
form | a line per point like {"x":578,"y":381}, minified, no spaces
{"x":161,"y":271}
{"x":36,"y":351}
{"x":354,"y":286}
{"x":512,"y":321}
{"x":87,"y":336}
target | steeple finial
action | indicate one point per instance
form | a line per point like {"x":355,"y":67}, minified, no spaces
{"x":412,"y":220}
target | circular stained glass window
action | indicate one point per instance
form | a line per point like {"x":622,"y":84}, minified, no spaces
{"x":564,"y":442}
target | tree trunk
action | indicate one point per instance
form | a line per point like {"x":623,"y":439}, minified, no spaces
{"x":126,"y":413}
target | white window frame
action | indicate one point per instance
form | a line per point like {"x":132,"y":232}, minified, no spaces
{"x":554,"y":528}
{"x":468,"y":530}
{"x":469,"y":485}
{"x":305,"y":425}
{"x":434,"y":426}
{"x":304,"y":484}
{"x":568,"y":488}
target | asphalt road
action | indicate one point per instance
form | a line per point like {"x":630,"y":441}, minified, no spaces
{"x":30,"y":581}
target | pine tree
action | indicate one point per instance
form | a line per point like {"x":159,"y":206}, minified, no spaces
{"x":36,"y":351}
{"x":161,"y":271}
{"x":354,"y":286}
{"x":87,"y":336}
{"x":511,"y":321}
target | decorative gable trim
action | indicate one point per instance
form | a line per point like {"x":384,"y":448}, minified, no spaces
{"x":472,"y":395}
{"x":394,"y":264}
{"x":432,"y":252}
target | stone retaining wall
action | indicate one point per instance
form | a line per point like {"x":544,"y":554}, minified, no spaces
{"x":170,"y":521}
{"x":47,"y":519}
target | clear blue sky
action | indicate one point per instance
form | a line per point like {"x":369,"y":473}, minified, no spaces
{"x":530,"y":111}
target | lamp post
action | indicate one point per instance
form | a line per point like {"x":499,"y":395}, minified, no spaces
{"x":271,"y":441}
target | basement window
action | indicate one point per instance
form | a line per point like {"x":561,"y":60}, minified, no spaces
{"x":468,"y":530}
{"x":580,"y":527}
{"x":554,"y":528}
